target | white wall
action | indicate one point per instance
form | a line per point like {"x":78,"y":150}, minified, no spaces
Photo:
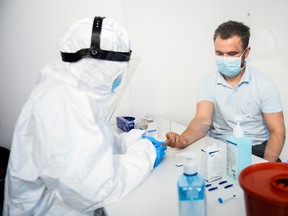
{"x":174,"y":40}
{"x":172,"y":37}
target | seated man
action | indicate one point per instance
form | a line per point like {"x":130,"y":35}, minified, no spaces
{"x":236,"y":89}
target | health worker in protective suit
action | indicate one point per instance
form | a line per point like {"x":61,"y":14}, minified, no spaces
{"x":65,"y":160}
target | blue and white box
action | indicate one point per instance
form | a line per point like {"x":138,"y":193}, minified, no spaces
{"x":125,"y":123}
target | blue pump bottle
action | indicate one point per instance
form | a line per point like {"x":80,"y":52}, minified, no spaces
{"x":239,"y":151}
{"x":191,"y":189}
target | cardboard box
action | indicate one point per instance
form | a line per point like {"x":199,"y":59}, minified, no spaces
{"x":125,"y":123}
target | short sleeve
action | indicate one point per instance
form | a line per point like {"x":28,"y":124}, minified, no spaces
{"x":271,"y":101}
{"x":204,"y":90}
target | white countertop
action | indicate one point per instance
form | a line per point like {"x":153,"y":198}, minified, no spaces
{"x":157,"y":195}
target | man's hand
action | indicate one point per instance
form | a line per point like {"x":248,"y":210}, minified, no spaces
{"x":175,"y":140}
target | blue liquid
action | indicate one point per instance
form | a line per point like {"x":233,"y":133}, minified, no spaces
{"x":191,"y":191}
{"x":239,"y":155}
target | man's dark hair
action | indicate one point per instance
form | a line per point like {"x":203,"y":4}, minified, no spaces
{"x":231,"y":28}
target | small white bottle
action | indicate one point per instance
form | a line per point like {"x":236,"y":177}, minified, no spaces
{"x":239,"y":151}
{"x":191,"y":189}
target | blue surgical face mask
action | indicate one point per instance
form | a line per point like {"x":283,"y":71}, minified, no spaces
{"x":229,"y":66}
{"x":116,"y":83}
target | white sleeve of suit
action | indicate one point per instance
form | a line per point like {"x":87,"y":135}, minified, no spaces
{"x":126,"y":139}
{"x":74,"y":155}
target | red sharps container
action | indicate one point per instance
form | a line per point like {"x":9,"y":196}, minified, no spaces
{"x":265,"y":188}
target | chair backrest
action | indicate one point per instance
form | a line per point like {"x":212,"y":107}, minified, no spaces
{"x":4,"y":158}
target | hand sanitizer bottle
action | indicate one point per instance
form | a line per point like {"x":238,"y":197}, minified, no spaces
{"x":191,"y":189}
{"x":239,"y":151}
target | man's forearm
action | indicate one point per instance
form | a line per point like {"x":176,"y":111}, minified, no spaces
{"x":195,"y":131}
{"x":274,"y":147}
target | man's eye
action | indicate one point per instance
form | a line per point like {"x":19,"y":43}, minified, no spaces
{"x":232,"y":54}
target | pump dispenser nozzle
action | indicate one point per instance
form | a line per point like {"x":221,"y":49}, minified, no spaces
{"x":238,"y":131}
{"x":190,"y":166}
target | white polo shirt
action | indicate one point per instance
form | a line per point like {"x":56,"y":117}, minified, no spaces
{"x":255,"y":94}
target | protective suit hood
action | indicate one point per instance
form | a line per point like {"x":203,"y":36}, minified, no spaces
{"x":95,"y":76}
{"x":93,"y":73}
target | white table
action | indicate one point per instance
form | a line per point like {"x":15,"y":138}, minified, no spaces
{"x":157,"y":195}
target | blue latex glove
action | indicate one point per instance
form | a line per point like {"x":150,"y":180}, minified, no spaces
{"x":155,"y":142}
{"x":160,"y":149}
{"x":160,"y":152}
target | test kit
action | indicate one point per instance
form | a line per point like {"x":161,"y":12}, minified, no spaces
{"x":211,"y":163}
{"x":149,"y":125}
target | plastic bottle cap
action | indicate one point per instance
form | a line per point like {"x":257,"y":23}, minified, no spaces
{"x":190,"y":166}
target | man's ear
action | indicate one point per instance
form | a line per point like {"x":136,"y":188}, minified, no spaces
{"x":247,"y":52}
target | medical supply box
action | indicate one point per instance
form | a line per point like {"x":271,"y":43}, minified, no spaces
{"x":125,"y":123}
{"x":149,"y":125}
{"x":211,"y":162}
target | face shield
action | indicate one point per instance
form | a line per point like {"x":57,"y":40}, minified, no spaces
{"x":100,"y":66}
{"x":118,"y":92}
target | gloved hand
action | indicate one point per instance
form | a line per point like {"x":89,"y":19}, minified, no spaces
{"x":160,"y":152}
{"x":155,"y":142}
{"x":160,"y":149}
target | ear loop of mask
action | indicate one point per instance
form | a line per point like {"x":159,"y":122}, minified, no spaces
{"x":244,"y":58}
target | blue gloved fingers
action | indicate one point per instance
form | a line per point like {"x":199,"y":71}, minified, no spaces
{"x":160,"y":148}
{"x":155,"y":142}
{"x":152,"y":139}
{"x":160,"y":153}
{"x":163,"y":147}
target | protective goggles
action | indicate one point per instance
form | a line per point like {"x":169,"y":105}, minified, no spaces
{"x":95,"y":51}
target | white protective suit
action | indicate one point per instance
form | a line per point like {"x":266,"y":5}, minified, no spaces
{"x":65,"y":160}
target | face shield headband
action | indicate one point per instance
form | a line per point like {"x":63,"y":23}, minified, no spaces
{"x":95,"y":51}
